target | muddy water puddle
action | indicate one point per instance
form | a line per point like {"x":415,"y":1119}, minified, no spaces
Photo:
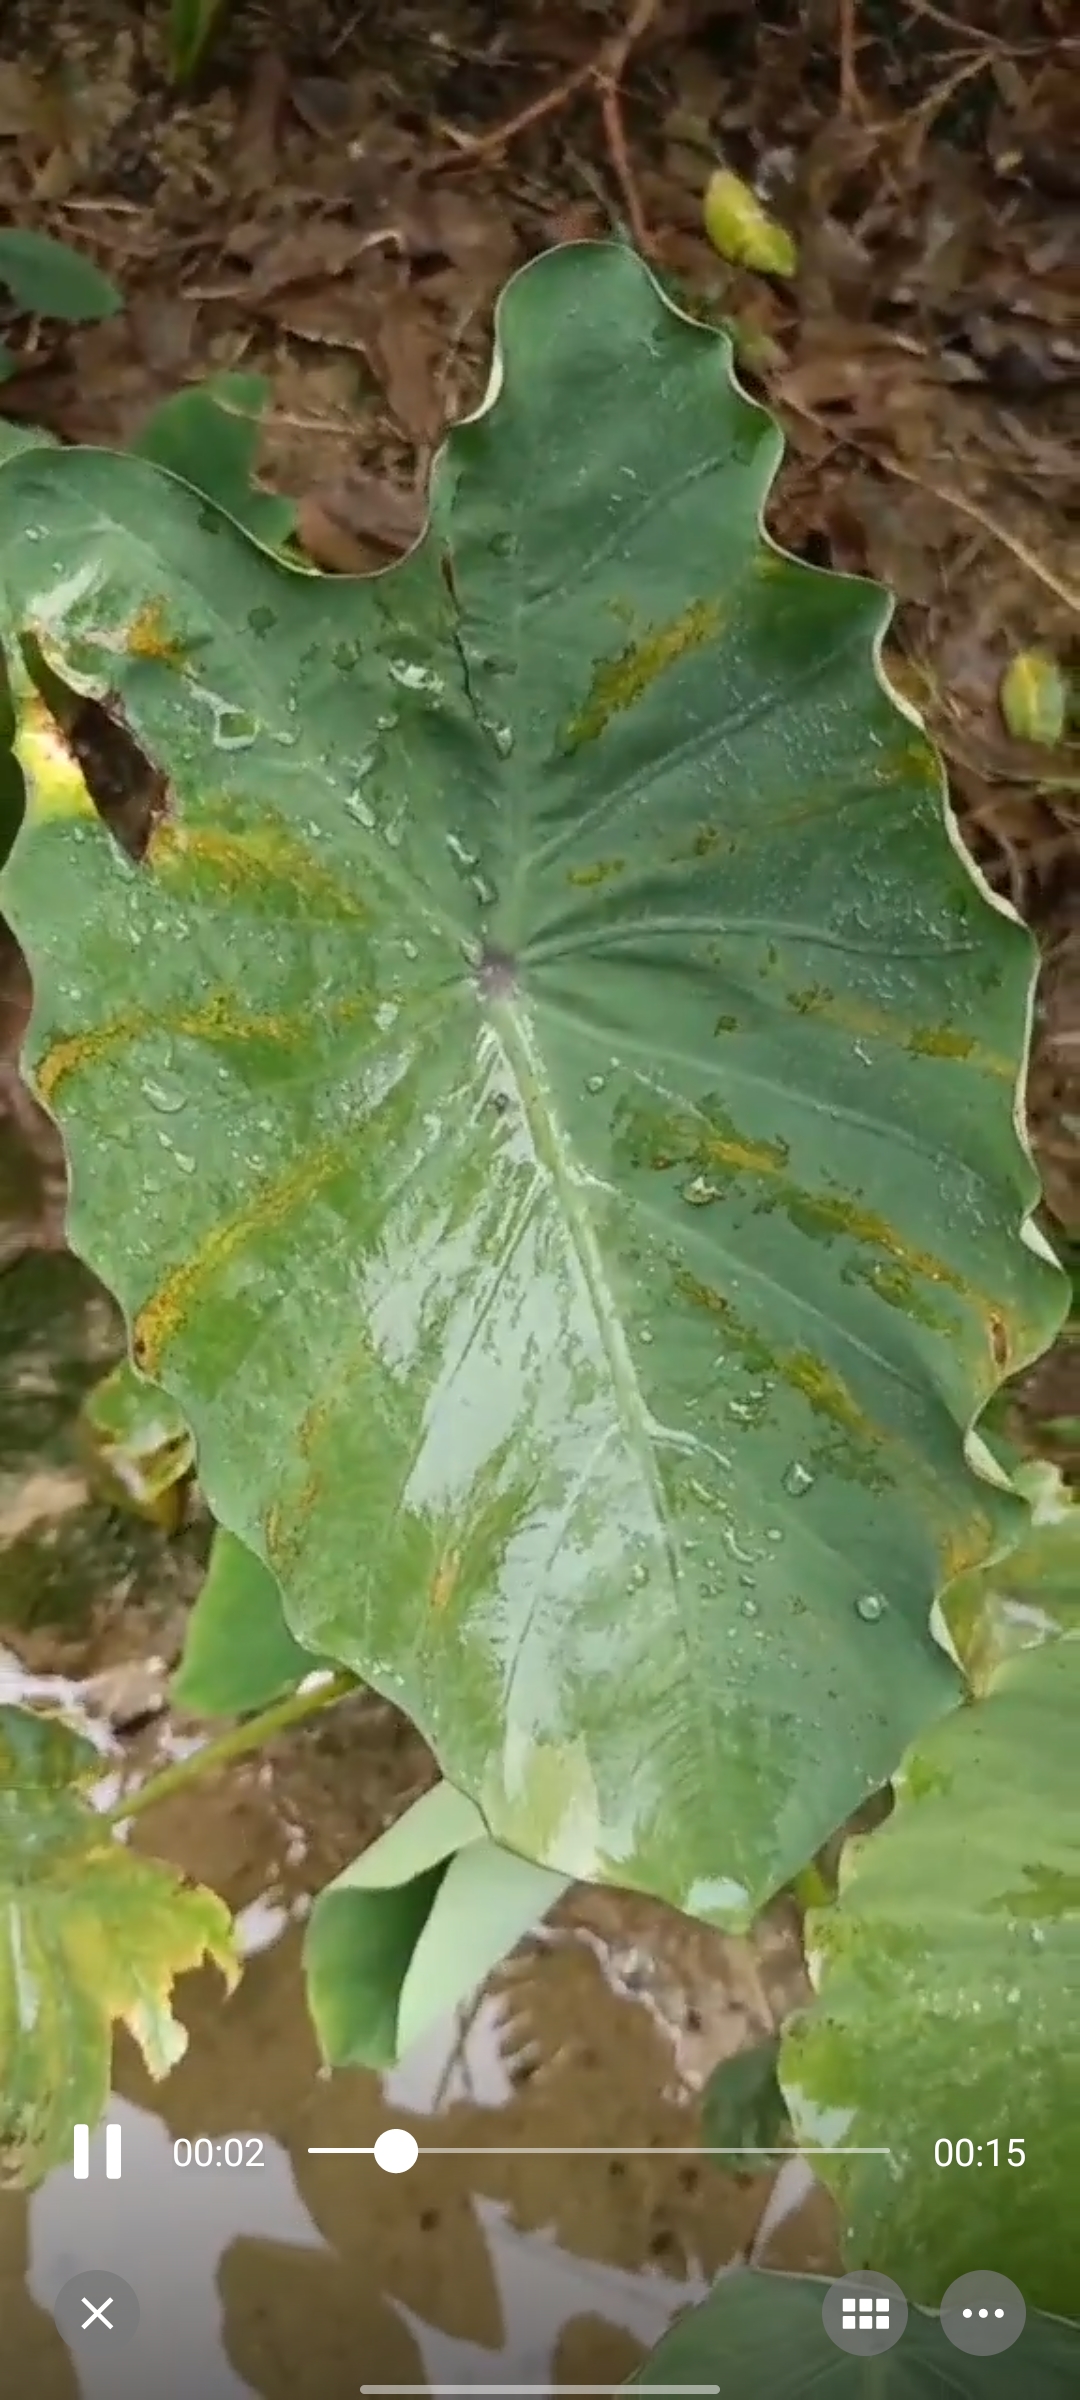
{"x":492,"y":2261}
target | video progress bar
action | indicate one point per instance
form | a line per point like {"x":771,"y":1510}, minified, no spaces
{"x":531,"y":2391}
{"x":690,"y":2150}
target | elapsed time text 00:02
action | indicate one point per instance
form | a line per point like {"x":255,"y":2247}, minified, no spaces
{"x":237,"y":2150}
{"x":965,"y":2153}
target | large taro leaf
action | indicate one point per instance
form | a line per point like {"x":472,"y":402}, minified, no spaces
{"x":763,"y":2334}
{"x":92,"y":1934}
{"x":947,"y":1982}
{"x":545,"y":1098}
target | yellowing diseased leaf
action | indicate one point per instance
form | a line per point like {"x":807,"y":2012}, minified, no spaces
{"x":742,"y":230}
{"x":91,"y":1935}
{"x":54,"y":782}
{"x":599,"y":1598}
{"x":1034,"y":699}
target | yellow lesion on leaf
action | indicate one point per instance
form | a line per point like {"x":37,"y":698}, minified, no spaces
{"x":912,"y":761}
{"x":940,"y":1041}
{"x":445,"y":1579}
{"x":825,"y":1391}
{"x":601,"y":870}
{"x":77,"y":1052}
{"x":966,"y":1543}
{"x":217,"y":1020}
{"x":163,"y":1317}
{"x":828,"y":1395}
{"x":619,"y":682}
{"x":148,"y":636}
{"x":859,"y":1018}
{"x":247,"y":860}
{"x":829,"y":1213}
{"x":55,"y":787}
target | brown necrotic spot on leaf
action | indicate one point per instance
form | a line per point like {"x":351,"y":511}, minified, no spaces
{"x":129,"y":793}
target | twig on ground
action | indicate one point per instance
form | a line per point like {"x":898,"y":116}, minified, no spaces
{"x":850,"y":95}
{"x":890,"y":465}
{"x":604,"y":73}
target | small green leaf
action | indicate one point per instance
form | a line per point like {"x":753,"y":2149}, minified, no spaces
{"x":742,"y":230}
{"x":413,"y":1926}
{"x":761,"y":2337}
{"x":92,"y":1934}
{"x":1028,"y":1596}
{"x":1034,"y":698}
{"x":947,"y":1977}
{"x":191,"y":23}
{"x":133,"y":1437}
{"x":49,"y":279}
{"x":209,"y":436}
{"x":238,"y":1652}
{"x":743,"y":2107}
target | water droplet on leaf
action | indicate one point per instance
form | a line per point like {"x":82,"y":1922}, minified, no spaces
{"x":163,"y":1094}
{"x":700,"y":1191}
{"x":594,"y":1083}
{"x":797,"y":1479}
{"x":871,"y":1608}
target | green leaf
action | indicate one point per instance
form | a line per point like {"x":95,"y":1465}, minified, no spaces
{"x":1035,"y":698}
{"x":947,"y":1978}
{"x":1026,"y":1597}
{"x":412,"y":1928}
{"x":14,"y":439}
{"x":51,"y":280}
{"x":763,"y":2335}
{"x":743,"y":2107}
{"x":93,"y":1934}
{"x":741,"y":230}
{"x":598,"y":1074}
{"x":209,"y":436}
{"x":238,"y":1652}
{"x":191,"y":24}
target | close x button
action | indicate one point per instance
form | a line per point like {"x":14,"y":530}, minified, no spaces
{"x":96,"y":2310}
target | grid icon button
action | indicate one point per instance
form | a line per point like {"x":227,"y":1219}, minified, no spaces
{"x":864,"y":2313}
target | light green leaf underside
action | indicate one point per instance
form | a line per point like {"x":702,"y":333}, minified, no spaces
{"x":238,"y":1651}
{"x":412,"y":1928}
{"x":763,"y":2335}
{"x":587,"y":1344}
{"x":947,"y":1979}
{"x":1025,"y":1597}
{"x":91,"y":1934}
